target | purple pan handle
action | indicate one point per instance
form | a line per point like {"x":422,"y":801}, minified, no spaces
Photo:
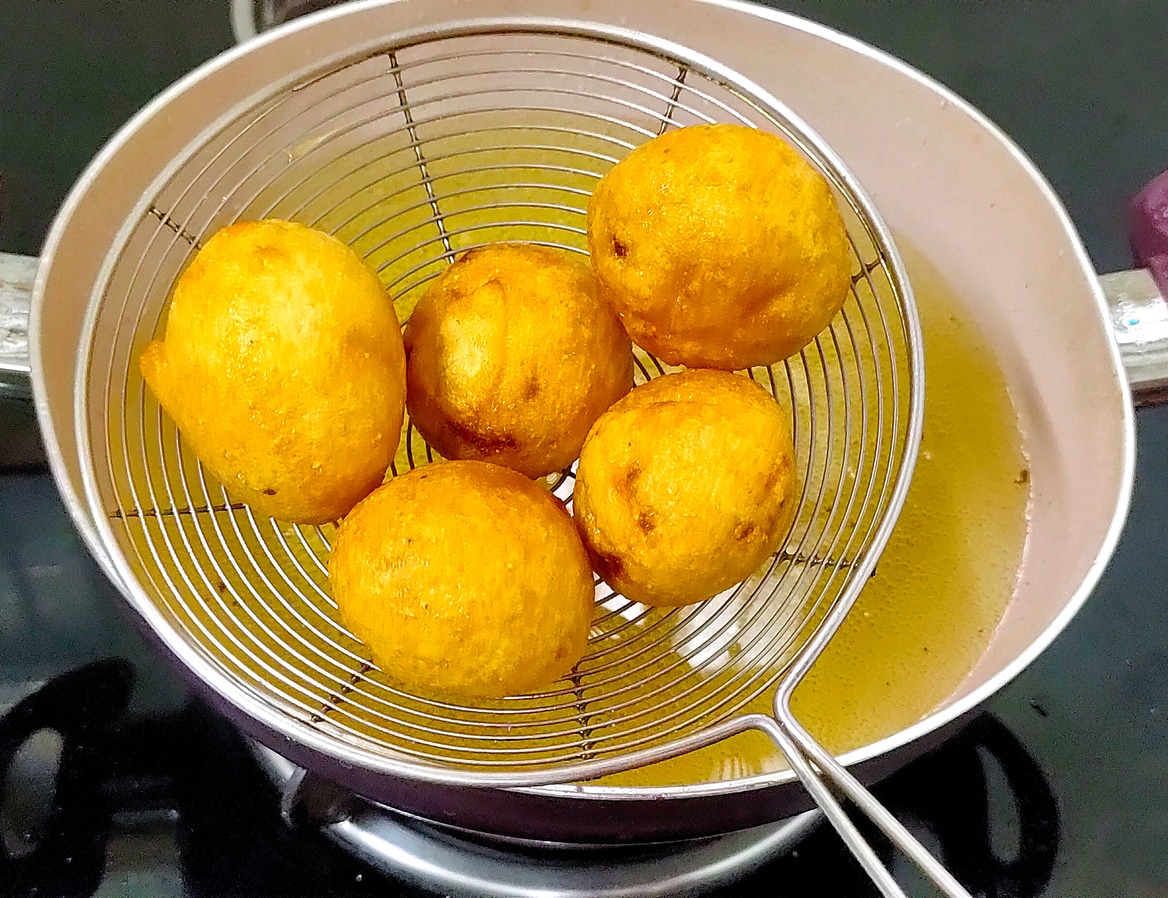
{"x":1149,"y":230}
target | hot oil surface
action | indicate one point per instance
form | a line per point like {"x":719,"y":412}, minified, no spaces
{"x":944,"y":579}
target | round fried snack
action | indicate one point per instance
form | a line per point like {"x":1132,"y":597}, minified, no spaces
{"x":512,"y":357}
{"x":283,"y":367}
{"x":685,"y":487}
{"x":466,"y":580}
{"x":719,"y":246}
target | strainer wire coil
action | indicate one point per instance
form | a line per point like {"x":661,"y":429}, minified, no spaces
{"x":413,"y":152}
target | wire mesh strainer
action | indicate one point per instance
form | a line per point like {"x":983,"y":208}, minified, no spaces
{"x":412,"y":152}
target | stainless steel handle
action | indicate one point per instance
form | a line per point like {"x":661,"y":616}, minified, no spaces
{"x":1139,"y":317}
{"x":17,"y":274}
{"x":820,"y":772}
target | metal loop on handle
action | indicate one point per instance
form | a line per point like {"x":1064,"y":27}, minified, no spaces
{"x":813,"y":764}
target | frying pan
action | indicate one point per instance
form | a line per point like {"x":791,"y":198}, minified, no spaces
{"x":945,"y":180}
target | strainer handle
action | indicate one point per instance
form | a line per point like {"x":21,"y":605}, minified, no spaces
{"x":816,"y":769}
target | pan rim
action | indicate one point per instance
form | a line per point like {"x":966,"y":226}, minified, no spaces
{"x":928,"y":724}
{"x":249,"y":706}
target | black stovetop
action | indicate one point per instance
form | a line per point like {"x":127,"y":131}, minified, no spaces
{"x":1059,"y":788}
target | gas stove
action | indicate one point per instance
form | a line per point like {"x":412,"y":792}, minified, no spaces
{"x":118,"y":782}
{"x":102,"y":801}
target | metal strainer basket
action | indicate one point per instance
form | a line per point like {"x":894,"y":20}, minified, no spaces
{"x":413,"y":152}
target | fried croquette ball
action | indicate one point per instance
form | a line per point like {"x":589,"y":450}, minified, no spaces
{"x":465,"y":580}
{"x":719,"y":246}
{"x":282,"y":365}
{"x":512,"y":357}
{"x":685,"y":486}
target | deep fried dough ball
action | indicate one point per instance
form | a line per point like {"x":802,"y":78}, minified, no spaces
{"x":466,"y":580}
{"x":719,"y":246}
{"x":283,"y":367}
{"x":512,"y":356}
{"x":685,"y":486}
